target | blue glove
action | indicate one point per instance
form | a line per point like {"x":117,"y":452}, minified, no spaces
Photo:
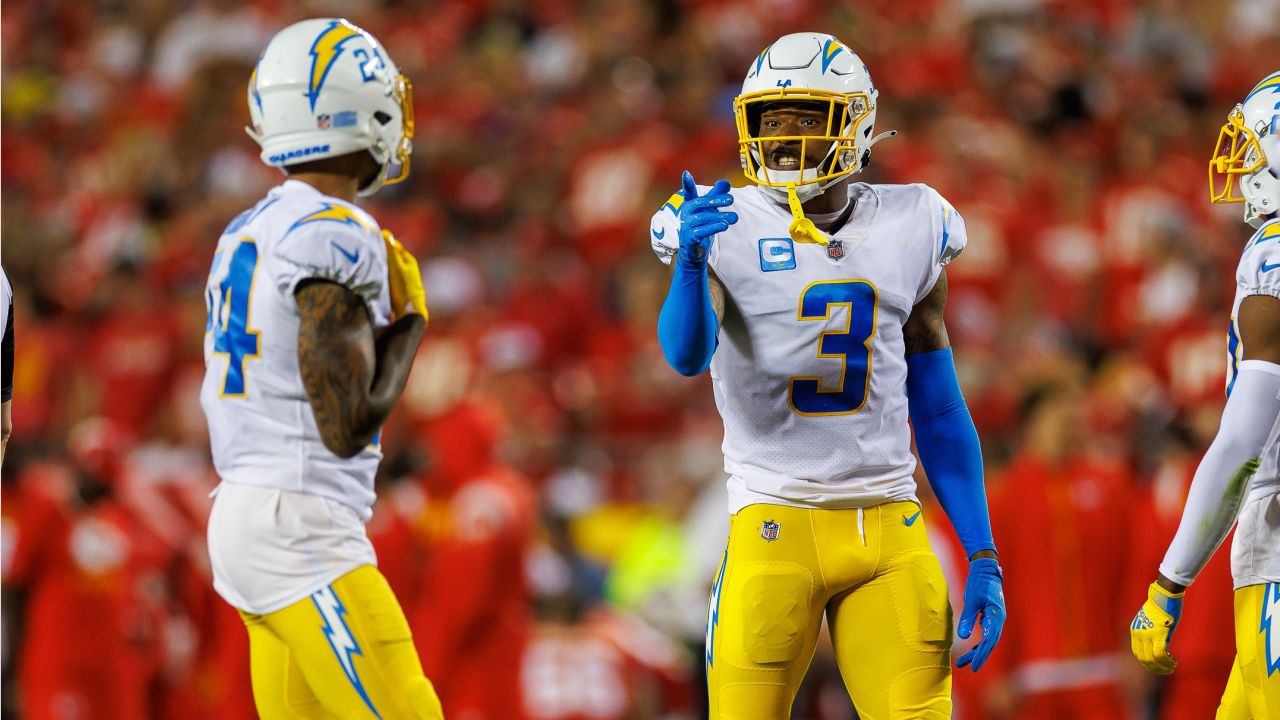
{"x":983,"y":595}
{"x":701,"y":219}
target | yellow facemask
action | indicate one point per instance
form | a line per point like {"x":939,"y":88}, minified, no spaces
{"x":1236,"y":154}
{"x":404,"y":93}
{"x":843,"y":111}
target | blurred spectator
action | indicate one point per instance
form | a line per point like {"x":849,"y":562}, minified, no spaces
{"x":82,"y":551}
{"x":1062,"y":515}
{"x":1204,"y":660}
{"x":471,"y":616}
{"x":586,"y":661}
{"x":1071,"y":136}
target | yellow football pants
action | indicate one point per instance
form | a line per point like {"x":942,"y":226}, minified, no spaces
{"x":1253,"y":690}
{"x":343,"y":653}
{"x":874,"y":575}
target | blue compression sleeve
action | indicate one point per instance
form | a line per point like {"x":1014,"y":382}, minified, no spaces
{"x":948,"y":446}
{"x":687,"y":325}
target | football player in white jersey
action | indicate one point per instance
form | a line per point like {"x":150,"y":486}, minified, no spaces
{"x":1239,"y":477}
{"x":314,"y":318}
{"x":817,"y":303}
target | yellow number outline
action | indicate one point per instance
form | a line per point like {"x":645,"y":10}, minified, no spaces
{"x":842,"y":357}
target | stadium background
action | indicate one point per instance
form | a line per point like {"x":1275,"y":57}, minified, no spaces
{"x":551,"y":505}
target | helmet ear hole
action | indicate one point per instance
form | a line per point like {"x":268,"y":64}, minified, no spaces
{"x":382,"y":117}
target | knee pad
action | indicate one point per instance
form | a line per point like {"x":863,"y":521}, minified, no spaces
{"x":921,"y":601}
{"x":776,"y":607}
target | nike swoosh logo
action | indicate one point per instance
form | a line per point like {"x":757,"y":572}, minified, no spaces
{"x":1269,"y":268}
{"x":911,"y":520}
{"x":659,"y":235}
{"x":352,"y":256}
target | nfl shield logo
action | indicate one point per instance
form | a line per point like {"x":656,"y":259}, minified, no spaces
{"x":769,"y":530}
{"x":835,"y":249}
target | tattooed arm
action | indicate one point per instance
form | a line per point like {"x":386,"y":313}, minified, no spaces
{"x":925,"y":330}
{"x":352,"y":379}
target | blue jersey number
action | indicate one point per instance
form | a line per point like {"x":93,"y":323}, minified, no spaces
{"x":229,"y":317}
{"x":852,"y":346}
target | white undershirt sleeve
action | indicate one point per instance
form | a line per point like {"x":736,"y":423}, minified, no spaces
{"x":1216,"y":493}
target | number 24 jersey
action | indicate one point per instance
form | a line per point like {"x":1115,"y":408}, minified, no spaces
{"x":261,"y":427}
{"x":810,"y":371}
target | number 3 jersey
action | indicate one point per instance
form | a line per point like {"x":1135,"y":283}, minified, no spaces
{"x":810,"y":371}
{"x":261,"y":426}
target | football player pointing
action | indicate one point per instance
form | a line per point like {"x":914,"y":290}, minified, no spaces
{"x":314,"y":318}
{"x":1239,"y":476}
{"x":817,"y":303}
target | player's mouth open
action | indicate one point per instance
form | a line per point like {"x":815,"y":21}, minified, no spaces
{"x":784,"y":159}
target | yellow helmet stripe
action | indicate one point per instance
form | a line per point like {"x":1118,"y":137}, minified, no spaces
{"x":1271,"y":82}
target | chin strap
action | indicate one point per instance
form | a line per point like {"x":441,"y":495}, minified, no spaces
{"x":802,"y":228}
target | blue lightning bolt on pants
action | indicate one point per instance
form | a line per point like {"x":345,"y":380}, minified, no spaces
{"x":344,"y":652}
{"x":1253,"y":691}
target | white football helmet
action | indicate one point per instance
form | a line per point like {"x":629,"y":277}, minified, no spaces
{"x":817,"y":68}
{"x":1250,"y":127}
{"x":324,"y":88}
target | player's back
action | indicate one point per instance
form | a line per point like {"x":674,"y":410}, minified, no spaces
{"x":261,"y":426}
{"x":810,"y":371}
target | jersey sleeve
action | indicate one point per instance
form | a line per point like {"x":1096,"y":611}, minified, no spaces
{"x":6,"y":357}
{"x":350,"y":254}
{"x":948,"y":239}
{"x":6,"y":346}
{"x":1259,"y":269}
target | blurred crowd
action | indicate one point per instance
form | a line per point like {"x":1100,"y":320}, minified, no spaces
{"x":551,"y":502}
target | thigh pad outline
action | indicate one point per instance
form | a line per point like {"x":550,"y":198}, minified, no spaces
{"x":777,"y":601}
{"x":920,"y":599}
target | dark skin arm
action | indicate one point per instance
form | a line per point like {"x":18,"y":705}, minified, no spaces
{"x":1260,"y":335}
{"x":717,"y":294}
{"x":352,"y":379}
{"x":716,"y":290}
{"x":926,"y":331}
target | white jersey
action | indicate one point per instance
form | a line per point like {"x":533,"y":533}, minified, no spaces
{"x":261,"y":426}
{"x":1255,"y":551}
{"x":810,"y":371}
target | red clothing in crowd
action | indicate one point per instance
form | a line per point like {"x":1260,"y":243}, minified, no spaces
{"x":1063,"y":530}
{"x":133,"y":356}
{"x":471,"y":616}
{"x":1202,"y":644}
{"x":88,"y":639}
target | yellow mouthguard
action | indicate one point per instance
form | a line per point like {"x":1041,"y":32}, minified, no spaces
{"x":802,"y":228}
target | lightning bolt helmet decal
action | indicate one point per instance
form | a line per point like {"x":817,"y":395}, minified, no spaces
{"x":324,"y":51}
